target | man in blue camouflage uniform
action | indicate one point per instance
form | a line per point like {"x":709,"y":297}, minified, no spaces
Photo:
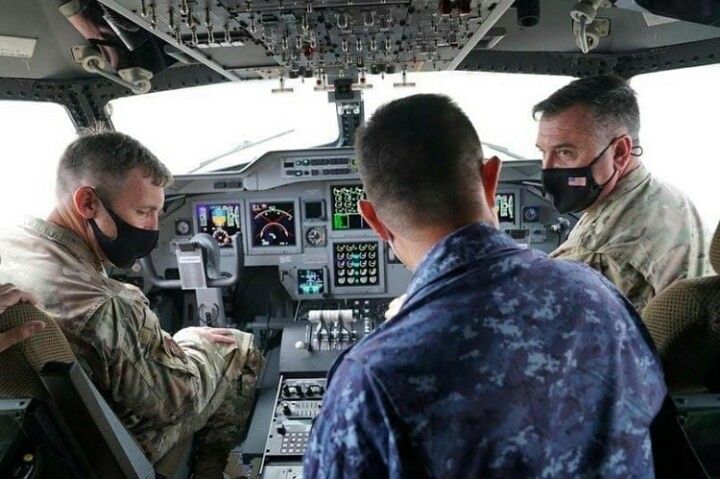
{"x":501,"y":362}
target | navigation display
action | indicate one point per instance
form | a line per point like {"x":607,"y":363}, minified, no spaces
{"x":356,"y":263}
{"x":344,"y":200}
{"x":273,"y":224}
{"x":311,"y":281}
{"x":505,"y":207}
{"x":221,"y":220}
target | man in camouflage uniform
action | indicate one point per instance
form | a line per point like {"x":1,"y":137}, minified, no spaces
{"x":163,"y":388}
{"x":640,"y":233}
{"x":500,"y":362}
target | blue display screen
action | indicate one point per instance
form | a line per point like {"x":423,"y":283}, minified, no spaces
{"x":311,"y":281}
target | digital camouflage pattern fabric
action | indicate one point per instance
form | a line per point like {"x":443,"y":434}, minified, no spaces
{"x":500,"y":363}
{"x":643,"y":237}
{"x":163,"y":388}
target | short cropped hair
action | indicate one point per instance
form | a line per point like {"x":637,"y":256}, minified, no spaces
{"x":419,"y":159}
{"x":610,"y":98}
{"x":105,"y":158}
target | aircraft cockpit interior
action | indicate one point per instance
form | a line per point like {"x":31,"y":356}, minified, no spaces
{"x":293,"y":217}
{"x":272,"y":242}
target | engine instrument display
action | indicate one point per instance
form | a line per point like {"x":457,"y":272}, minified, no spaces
{"x":220,"y":220}
{"x":505,"y":206}
{"x":356,"y":263}
{"x":345,"y":214}
{"x":273,"y":224}
{"x":311,"y":281}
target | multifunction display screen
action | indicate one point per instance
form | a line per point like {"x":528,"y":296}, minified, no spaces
{"x":505,"y":206}
{"x":221,"y":220}
{"x":344,"y":209}
{"x":356,"y":263}
{"x":311,"y":281}
{"x":273,"y":224}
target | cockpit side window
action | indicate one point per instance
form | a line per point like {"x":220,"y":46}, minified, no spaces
{"x":32,"y":138}
{"x":678,"y":132}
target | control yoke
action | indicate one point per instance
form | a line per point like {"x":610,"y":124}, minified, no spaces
{"x":198,"y":252}
{"x":199,"y":269}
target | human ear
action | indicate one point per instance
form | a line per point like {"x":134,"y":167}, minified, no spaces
{"x":490,"y":176}
{"x":85,"y":202}
{"x":368,"y":212}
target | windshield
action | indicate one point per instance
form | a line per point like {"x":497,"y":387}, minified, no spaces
{"x":203,"y":129}
{"x":188,"y":127}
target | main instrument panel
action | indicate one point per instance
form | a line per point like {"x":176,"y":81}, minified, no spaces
{"x":298,"y":211}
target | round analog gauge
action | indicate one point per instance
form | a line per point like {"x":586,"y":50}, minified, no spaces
{"x":182,"y":227}
{"x":222,"y":238}
{"x":531,"y":214}
{"x":316,"y":236}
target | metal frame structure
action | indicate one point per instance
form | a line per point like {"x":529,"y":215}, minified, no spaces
{"x":86,"y":99}
{"x":86,"y":96}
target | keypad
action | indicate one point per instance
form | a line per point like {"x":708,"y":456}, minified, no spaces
{"x":294,"y":442}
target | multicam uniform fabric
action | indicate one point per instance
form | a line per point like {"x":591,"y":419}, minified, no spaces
{"x":500,"y":363}
{"x":643,"y":237}
{"x":163,"y":388}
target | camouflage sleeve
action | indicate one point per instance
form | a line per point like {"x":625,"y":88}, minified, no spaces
{"x":151,"y":380}
{"x":631,"y":283}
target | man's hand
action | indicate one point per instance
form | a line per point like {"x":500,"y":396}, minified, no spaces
{"x":214,"y":335}
{"x":20,"y":333}
{"x":9,"y":296}
{"x":394,"y":306}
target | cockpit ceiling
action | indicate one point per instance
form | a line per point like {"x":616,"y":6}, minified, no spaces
{"x":331,"y":38}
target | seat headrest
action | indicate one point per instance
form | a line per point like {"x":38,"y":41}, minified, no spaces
{"x":715,"y":250}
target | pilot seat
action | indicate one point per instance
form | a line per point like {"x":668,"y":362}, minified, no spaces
{"x":684,"y":322}
{"x":54,"y":422}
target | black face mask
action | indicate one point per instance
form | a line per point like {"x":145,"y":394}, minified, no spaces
{"x":131,"y":243}
{"x":573,"y":190}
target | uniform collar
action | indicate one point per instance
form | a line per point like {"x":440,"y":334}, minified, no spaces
{"x":626,"y":184}
{"x":460,"y":248}
{"x":66,"y":238}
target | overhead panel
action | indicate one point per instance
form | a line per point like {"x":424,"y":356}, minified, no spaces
{"x":320,"y":38}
